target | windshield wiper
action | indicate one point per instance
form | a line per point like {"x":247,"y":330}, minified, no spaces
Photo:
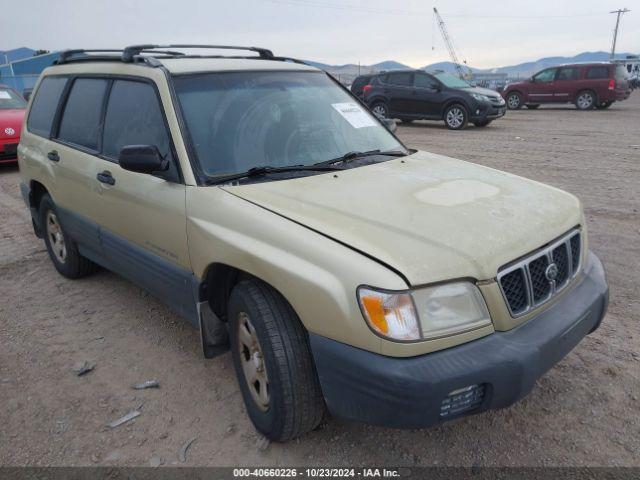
{"x":355,"y":155}
{"x":265,"y":169}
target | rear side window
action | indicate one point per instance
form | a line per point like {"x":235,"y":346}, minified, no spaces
{"x":82,"y":115}
{"x":598,"y":72}
{"x":568,"y":73}
{"x":425,"y":81}
{"x":403,"y":79}
{"x":45,"y":104}
{"x":134,"y":117}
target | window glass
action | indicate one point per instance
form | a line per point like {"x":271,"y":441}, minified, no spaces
{"x":82,"y":114}
{"x":45,"y":104}
{"x":403,"y":79}
{"x":10,"y":99}
{"x":451,"y":81}
{"x":134,"y":117}
{"x":240,"y":120}
{"x":424,"y":81}
{"x":545,"y":76}
{"x":568,"y":73}
{"x":598,"y":72}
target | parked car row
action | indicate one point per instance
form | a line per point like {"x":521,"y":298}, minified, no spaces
{"x":418,"y":95}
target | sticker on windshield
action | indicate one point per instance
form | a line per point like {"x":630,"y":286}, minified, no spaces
{"x":354,"y":114}
{"x":5,"y":94}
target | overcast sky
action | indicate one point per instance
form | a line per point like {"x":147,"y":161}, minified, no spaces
{"x":486,"y":34}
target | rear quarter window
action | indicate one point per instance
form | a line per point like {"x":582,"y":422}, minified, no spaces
{"x":45,"y":104}
{"x":80,"y":124}
{"x":594,"y":73}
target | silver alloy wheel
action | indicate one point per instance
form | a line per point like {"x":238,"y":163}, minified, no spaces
{"x":252,"y":360}
{"x":514,"y":101}
{"x":455,"y":117}
{"x":380,"y":110}
{"x":56,"y":238}
{"x":585,"y":101}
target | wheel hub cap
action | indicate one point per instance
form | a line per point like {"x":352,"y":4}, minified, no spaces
{"x":56,"y":238}
{"x":252,"y":361}
{"x":455,"y":117}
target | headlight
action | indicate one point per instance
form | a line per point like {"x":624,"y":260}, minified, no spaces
{"x":480,"y":98}
{"x":424,"y":313}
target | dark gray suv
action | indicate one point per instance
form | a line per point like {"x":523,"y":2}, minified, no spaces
{"x":417,"y":95}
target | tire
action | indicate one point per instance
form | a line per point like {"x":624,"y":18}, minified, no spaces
{"x":483,"y":123}
{"x":285,"y":401}
{"x":585,"y":100}
{"x":380,"y":108}
{"x":456,"y":117}
{"x":604,"y":105}
{"x":533,"y":106}
{"x":514,"y":101}
{"x":63,"y":251}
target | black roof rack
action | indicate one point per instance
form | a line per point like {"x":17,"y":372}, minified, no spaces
{"x":133,"y":54}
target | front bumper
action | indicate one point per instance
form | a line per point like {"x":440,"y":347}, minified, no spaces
{"x":9,"y":150}
{"x":487,"y":112}
{"x":408,"y":392}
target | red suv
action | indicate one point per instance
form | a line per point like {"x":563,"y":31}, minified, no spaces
{"x":12,"y":109}
{"x":587,"y":85}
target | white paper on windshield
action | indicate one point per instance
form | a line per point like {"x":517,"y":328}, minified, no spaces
{"x":5,"y":94}
{"x":354,"y":114}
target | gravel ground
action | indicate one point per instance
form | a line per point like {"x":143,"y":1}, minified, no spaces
{"x":585,"y":411}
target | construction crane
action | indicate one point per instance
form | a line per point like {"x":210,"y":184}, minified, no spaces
{"x":465,"y":75}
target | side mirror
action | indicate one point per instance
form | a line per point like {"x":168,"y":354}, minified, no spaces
{"x":142,"y":159}
{"x":388,"y":123}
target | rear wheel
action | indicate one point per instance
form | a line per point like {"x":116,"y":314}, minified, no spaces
{"x":604,"y":105}
{"x":532,"y":106}
{"x":456,"y":117}
{"x":273,"y":362}
{"x":585,"y":100}
{"x":380,"y":108}
{"x":63,"y":251}
{"x":514,"y":101}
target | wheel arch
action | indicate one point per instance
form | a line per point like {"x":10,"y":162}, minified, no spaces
{"x":453,"y":101}
{"x":590,"y":90}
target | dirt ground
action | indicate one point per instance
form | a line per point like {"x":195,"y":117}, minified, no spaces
{"x":585,"y":411}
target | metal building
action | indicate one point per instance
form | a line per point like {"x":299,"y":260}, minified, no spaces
{"x":19,"y":68}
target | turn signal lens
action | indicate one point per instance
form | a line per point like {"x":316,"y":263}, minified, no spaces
{"x":390,"y":314}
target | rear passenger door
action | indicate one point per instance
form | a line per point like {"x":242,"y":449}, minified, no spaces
{"x":566,"y":84}
{"x":399,"y":89}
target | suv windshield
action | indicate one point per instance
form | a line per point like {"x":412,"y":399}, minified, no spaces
{"x":10,"y":99}
{"x":451,"y":81}
{"x":240,"y":120}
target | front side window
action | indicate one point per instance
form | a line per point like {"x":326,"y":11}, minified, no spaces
{"x":134,"y":117}
{"x":82,"y":114}
{"x":239,"y":120}
{"x":10,"y":99}
{"x":45,"y":104}
{"x":545,"y":76}
{"x":569,"y":73}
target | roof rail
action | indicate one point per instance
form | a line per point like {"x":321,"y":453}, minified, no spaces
{"x":67,"y":56}
{"x":130,"y":52}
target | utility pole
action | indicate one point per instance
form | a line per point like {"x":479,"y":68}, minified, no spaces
{"x":619,"y":13}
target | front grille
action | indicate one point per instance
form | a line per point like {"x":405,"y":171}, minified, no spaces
{"x":538,"y":277}
{"x":10,"y":151}
{"x":462,"y":401}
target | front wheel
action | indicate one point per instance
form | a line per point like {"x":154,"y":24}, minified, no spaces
{"x":62,"y":250}
{"x":273,"y":362}
{"x":456,"y":117}
{"x":585,"y":100}
{"x":514,"y":101}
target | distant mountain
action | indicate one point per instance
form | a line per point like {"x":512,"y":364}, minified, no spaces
{"x":526,"y":69}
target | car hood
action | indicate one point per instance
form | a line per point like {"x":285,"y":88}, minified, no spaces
{"x":429,"y":217}
{"x":482,"y":91}
{"x":11,"y":119}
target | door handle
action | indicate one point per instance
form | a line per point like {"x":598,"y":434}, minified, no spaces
{"x":53,"y":156}
{"x":105,"y":177}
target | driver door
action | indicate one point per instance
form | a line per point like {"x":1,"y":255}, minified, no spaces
{"x":542,"y":88}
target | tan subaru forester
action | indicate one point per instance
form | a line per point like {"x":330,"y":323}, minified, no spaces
{"x":267,"y":206}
